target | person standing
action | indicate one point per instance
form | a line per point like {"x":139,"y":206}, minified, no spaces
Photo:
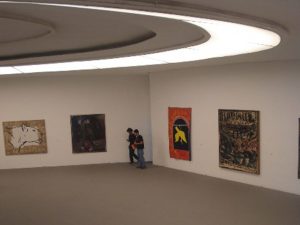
{"x":131,"y":140}
{"x":139,"y":143}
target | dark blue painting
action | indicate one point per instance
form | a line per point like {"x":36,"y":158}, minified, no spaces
{"x":88,"y":133}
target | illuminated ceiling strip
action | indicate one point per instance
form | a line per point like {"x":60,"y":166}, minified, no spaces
{"x":226,"y":39}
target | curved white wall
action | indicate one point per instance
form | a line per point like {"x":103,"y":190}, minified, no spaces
{"x":271,"y":88}
{"x":124,"y":99}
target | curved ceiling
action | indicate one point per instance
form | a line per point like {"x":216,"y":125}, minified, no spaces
{"x":15,"y":30}
{"x":35,"y":34}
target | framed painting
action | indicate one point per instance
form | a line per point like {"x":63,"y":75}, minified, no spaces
{"x":180,"y":133}
{"x":25,"y":137}
{"x":88,"y":133}
{"x":239,"y":140}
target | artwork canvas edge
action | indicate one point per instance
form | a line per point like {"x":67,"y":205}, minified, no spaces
{"x":298,"y":148}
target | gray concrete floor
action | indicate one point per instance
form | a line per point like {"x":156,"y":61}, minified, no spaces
{"x":120,"y":194}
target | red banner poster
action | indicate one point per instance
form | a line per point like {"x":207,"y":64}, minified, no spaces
{"x":180,"y":133}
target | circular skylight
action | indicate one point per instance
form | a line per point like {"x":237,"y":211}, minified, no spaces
{"x":226,"y":39}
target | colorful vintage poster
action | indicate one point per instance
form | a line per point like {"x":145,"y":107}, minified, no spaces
{"x":88,"y":133}
{"x":239,"y":140}
{"x":180,"y":133}
{"x":25,"y":137}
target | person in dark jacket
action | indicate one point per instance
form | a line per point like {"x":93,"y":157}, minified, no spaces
{"x":139,"y":143}
{"x":131,"y":147}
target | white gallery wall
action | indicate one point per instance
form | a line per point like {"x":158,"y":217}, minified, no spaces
{"x":271,"y":88}
{"x":124,"y":99}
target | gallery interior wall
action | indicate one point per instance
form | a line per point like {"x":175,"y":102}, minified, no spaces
{"x":124,"y":99}
{"x":271,"y":88}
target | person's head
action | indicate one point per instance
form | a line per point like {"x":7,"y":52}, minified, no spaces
{"x":136,"y":132}
{"x":129,"y":130}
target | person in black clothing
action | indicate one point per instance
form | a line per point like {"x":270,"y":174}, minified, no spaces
{"x":131,"y":139}
{"x":139,"y":143}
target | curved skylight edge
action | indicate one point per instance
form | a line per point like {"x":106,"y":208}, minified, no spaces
{"x":226,"y":39}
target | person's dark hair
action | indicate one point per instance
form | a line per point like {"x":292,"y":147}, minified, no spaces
{"x":136,"y":131}
{"x":129,"y":129}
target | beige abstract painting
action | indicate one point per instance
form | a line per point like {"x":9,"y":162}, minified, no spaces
{"x":25,"y":137}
